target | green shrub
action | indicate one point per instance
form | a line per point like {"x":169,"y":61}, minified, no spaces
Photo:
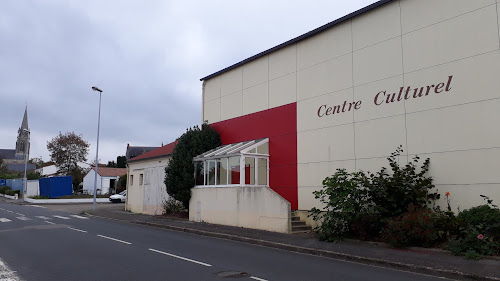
{"x":3,"y":189}
{"x":11,"y":192}
{"x":472,"y":245}
{"x":343,"y":198}
{"x":414,"y":228}
{"x":392,"y":193}
{"x":479,"y":232}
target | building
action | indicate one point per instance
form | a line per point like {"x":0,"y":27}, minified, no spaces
{"x":421,"y":74}
{"x":15,"y":159}
{"x":134,"y":151}
{"x":146,"y":189}
{"x":107,"y":179}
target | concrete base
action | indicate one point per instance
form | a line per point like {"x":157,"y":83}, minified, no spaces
{"x":257,"y":207}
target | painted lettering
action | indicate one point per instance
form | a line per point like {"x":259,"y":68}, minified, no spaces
{"x":448,"y":86}
{"x":376,"y":98}
{"x":438,"y":90}
{"x":357,"y":105}
{"x":319,"y":110}
{"x":429,"y":89}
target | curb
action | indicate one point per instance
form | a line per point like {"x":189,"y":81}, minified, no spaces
{"x":317,"y":252}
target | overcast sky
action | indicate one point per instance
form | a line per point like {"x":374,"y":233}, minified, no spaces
{"x":146,"y":56}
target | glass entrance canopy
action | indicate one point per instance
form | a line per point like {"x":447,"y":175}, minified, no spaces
{"x":243,"y":163}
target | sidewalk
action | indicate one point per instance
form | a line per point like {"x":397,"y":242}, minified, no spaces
{"x":428,"y":261}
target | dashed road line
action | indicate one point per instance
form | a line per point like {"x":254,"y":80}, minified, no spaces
{"x":37,"y":206}
{"x":43,"y":217}
{"x":23,"y":218}
{"x":20,"y":214}
{"x":49,"y":222}
{"x":179,"y":257}
{"x":9,"y":211}
{"x":257,"y":278}
{"x":76,"y":229}
{"x":117,"y":240}
{"x":61,"y":217}
{"x":4,"y":220}
{"x":80,"y":217}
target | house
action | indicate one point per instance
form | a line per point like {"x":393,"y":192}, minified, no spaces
{"x":146,"y":189}
{"x":134,"y":151}
{"x":421,"y":74}
{"x":107,"y":179}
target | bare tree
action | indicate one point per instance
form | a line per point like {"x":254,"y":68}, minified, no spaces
{"x":66,"y":150}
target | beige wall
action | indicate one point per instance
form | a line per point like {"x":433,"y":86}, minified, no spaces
{"x":250,"y":207}
{"x":147,"y":198}
{"x":406,"y":43}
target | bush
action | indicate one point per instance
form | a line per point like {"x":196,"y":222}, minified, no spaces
{"x":414,"y":228}
{"x":3,"y":189}
{"x":479,"y":232}
{"x":367,"y":227}
{"x":391,"y":194}
{"x":172,"y":206}
{"x":344,"y":199}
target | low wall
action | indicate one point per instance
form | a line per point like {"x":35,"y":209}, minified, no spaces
{"x":256,"y":207}
{"x":67,"y":201}
{"x":15,"y":197}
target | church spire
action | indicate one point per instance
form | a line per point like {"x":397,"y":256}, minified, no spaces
{"x":23,"y":136}
{"x":24,"y":125}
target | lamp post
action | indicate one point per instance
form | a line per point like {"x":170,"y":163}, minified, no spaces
{"x":26,"y":155}
{"x":97,"y":150}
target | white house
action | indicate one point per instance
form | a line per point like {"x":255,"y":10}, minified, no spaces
{"x":146,"y":189}
{"x":106,"y":179}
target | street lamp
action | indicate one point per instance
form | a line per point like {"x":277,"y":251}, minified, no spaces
{"x":97,"y":150}
{"x":26,"y":153}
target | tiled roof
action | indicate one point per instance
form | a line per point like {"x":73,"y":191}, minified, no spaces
{"x":165,"y":150}
{"x":134,"y":151}
{"x":111,"y":172}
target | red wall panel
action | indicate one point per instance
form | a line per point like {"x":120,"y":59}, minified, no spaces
{"x":279,"y":124}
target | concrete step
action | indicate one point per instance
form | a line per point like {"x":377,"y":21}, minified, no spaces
{"x":296,"y":218}
{"x":298,"y":223}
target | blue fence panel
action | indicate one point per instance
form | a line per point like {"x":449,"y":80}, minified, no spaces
{"x":15,"y":184}
{"x":56,"y":186}
{"x":3,"y":182}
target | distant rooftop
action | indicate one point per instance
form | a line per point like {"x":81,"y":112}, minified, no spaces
{"x":165,"y":150}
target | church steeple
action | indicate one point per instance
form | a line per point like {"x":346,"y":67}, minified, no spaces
{"x":23,"y":136}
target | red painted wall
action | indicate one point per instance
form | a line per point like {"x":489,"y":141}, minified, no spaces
{"x":279,"y":124}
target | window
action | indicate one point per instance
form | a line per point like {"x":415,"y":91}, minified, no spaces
{"x":131,"y":180}
{"x":141,"y":179}
{"x":244,"y":163}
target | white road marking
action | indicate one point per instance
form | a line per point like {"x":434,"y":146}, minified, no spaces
{"x":80,"y":217}
{"x":77,"y":229}
{"x":49,"y":222}
{"x":37,"y":206}
{"x":117,"y":240}
{"x":9,"y":211}
{"x":23,"y":218}
{"x":61,"y":217}
{"x":7,"y":274}
{"x":257,"y":278}
{"x":43,"y":217}
{"x":20,"y":214}
{"x":4,"y":220}
{"x":182,"y":258}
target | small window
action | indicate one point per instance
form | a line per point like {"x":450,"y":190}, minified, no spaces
{"x":141,"y":179}
{"x":131,"y":180}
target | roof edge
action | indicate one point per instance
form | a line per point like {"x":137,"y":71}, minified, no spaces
{"x":150,"y":158}
{"x":301,"y":37}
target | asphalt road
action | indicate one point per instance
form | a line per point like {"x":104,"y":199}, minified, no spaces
{"x":38,"y":243}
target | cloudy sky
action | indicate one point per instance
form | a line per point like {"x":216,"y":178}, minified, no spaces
{"x":146,"y":56}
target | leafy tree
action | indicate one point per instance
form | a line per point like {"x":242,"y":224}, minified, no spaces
{"x":111,"y":164}
{"x":66,"y":150}
{"x":37,"y":161}
{"x":179,"y":175}
{"x":3,"y":167}
{"x":121,"y":162}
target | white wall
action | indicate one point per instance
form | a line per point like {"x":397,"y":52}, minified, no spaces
{"x":147,"y":198}
{"x":254,"y":207}
{"x":32,"y":188}
{"x":88,"y":182}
